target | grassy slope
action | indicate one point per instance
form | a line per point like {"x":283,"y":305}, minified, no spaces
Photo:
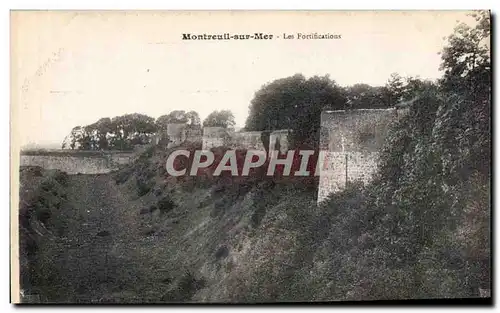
{"x":219,"y":243}
{"x":243,"y":243}
{"x":212,"y":246}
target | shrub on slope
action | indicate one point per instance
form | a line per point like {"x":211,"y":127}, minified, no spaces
{"x":419,"y":230}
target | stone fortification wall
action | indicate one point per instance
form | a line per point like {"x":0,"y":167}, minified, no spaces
{"x":176,"y":133}
{"x":251,"y":140}
{"x":247,"y":140}
{"x":215,"y":137}
{"x":351,"y":142}
{"x":74,"y":162}
{"x":194,"y":134}
{"x":279,"y":140}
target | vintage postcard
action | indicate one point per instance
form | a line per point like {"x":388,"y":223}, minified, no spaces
{"x":250,"y":156}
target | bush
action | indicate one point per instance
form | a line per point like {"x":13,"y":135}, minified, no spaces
{"x":48,"y":185}
{"x":185,"y":288}
{"x":258,"y":215}
{"x":221,"y":253}
{"x":165,"y":204}
{"x":157,"y":192}
{"x":43,"y":215}
{"x":122,"y":175}
{"x":265,"y":196}
{"x":36,"y":171}
{"x":144,"y":186}
{"x":423,"y":222}
{"x":144,"y":177}
{"x":152,"y":208}
{"x":226,"y":194}
{"x":61,"y":177}
{"x":147,"y":154}
{"x":149,"y":232}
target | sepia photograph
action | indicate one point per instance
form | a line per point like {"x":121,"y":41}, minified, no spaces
{"x":250,"y":157}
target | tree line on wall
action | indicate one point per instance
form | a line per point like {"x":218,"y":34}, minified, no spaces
{"x":293,"y":103}
{"x":125,"y":131}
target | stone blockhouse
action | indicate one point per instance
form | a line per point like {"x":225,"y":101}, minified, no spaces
{"x":251,"y":140}
{"x":176,"y":133}
{"x":350,"y":142}
{"x":248,"y":140}
{"x":194,"y":134}
{"x":279,"y":140}
{"x":215,"y":137}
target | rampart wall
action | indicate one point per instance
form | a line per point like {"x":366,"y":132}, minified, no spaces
{"x":279,"y":140}
{"x":251,"y":140}
{"x":176,"y":134}
{"x":74,"y":162}
{"x":351,"y":142}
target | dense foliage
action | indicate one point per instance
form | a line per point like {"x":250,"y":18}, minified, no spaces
{"x":120,"y":133}
{"x":178,"y":116}
{"x":295,"y":103}
{"x":426,"y":217}
{"x":223,"y":118}
{"x":126,"y":131}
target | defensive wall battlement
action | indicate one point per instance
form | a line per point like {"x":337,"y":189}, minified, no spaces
{"x":77,"y":161}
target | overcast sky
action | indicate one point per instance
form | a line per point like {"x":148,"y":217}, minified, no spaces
{"x":71,"y":69}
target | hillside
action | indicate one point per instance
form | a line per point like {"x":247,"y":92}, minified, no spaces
{"x":137,"y":236}
{"x":177,"y":242}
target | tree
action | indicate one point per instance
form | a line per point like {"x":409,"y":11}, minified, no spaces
{"x":120,"y":132}
{"x":466,"y":57}
{"x":395,"y":88}
{"x":466,"y":64}
{"x":223,"y":118}
{"x":295,"y":103}
{"x":415,"y":86}
{"x":363,"y":96}
{"x":178,"y":116}
{"x":193,"y":119}
{"x":131,"y":129}
{"x":434,"y":175}
{"x":75,"y":139}
{"x":99,"y":132}
{"x":467,"y":79}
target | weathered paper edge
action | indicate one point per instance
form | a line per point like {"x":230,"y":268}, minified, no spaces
{"x":14,"y":165}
